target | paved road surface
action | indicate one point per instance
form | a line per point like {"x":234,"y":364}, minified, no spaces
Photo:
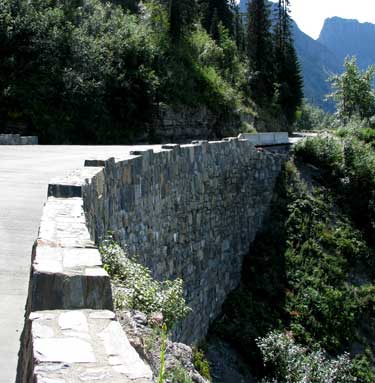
{"x":24,"y":175}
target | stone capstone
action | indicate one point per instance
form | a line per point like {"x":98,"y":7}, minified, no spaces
{"x":103,"y":352}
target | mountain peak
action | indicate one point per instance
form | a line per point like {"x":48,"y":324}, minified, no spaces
{"x":349,"y":37}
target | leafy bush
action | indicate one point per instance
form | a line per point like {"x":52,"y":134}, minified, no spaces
{"x":301,"y":277}
{"x":293,"y":363}
{"x":310,"y":117}
{"x":325,"y":152}
{"x":178,"y":375}
{"x":136,"y":289}
{"x":89,"y":75}
{"x":201,"y":363}
{"x":349,"y":170}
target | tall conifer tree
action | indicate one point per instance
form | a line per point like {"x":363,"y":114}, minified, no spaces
{"x":238,"y":29}
{"x":288,"y":72}
{"x":181,"y":16}
{"x":260,"y":51}
{"x":223,"y":11}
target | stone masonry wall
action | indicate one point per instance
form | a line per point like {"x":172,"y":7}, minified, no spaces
{"x":185,"y":124}
{"x":187,"y":211}
{"x":16,"y":139}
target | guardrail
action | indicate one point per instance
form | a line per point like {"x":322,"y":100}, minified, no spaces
{"x":266,"y":139}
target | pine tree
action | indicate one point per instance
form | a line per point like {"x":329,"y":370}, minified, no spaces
{"x":260,"y":51}
{"x":223,"y":11}
{"x":238,"y":29}
{"x":214,"y":28}
{"x":181,"y":16}
{"x":288,"y":71}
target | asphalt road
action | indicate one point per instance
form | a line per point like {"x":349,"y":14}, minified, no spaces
{"x":24,"y":175}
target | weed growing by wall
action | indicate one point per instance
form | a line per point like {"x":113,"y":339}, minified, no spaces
{"x":136,"y":289}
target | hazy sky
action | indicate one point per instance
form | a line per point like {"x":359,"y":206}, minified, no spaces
{"x":310,"y":14}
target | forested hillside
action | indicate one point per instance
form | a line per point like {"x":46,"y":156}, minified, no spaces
{"x":91,"y":71}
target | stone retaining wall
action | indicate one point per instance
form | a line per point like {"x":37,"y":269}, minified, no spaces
{"x":187,"y":211}
{"x":16,"y":139}
{"x":183,"y":124}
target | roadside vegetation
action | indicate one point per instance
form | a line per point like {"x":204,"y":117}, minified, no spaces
{"x":307,"y":295}
{"x":305,"y":309}
{"x":92,"y":71}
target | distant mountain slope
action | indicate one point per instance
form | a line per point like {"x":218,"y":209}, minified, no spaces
{"x":317,"y":64}
{"x":349,"y":37}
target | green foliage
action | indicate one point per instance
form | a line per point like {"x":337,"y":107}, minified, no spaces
{"x":136,"y":289}
{"x":353,"y":92}
{"x":310,"y":117}
{"x":325,"y":152}
{"x":293,"y":363}
{"x":349,"y":169}
{"x":288,"y":78}
{"x":260,"y":51}
{"x":203,"y":72}
{"x":181,"y":16}
{"x":90,"y":68}
{"x":96,"y":73}
{"x":201,"y":363}
{"x":178,"y":375}
{"x":360,"y":129}
{"x":163,"y":351}
{"x":215,"y":12}
{"x":301,"y":277}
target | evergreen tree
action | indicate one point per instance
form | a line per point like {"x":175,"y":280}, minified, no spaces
{"x":221,"y":8}
{"x":214,"y":28}
{"x":181,"y":16}
{"x":288,"y":72}
{"x":238,"y":29}
{"x":260,"y":51}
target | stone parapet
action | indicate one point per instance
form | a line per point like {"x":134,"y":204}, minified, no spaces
{"x":16,"y":139}
{"x":187,"y":211}
{"x":82,"y":346}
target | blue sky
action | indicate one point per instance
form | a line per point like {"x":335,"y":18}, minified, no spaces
{"x":310,"y":14}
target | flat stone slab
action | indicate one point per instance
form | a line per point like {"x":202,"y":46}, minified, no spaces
{"x":83,"y":346}
{"x":68,"y":278}
{"x":63,"y":223}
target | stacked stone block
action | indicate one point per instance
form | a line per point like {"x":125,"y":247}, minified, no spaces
{"x":16,"y":139}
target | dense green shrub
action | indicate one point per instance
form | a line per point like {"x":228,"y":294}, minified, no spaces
{"x":201,"y":363}
{"x":309,"y":272}
{"x":310,"y":117}
{"x":348,"y":168}
{"x":88,"y":76}
{"x":136,"y":289}
{"x":293,"y":363}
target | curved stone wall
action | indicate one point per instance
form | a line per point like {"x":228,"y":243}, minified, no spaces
{"x":187,"y":211}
